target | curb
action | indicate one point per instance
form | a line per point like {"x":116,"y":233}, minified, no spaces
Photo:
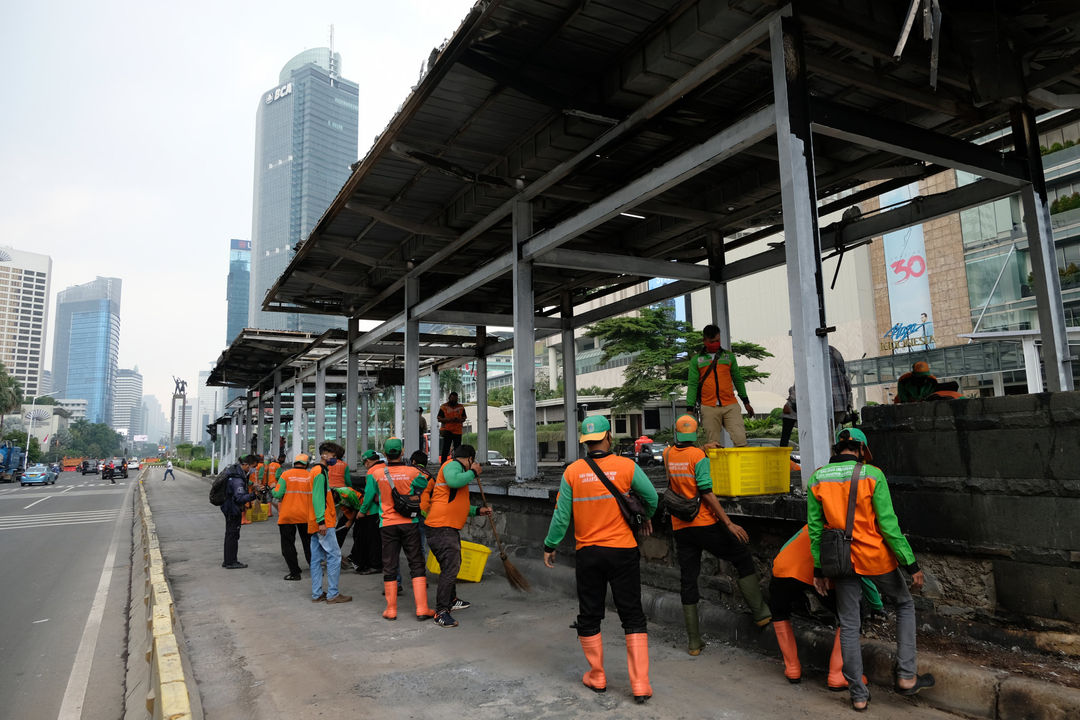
{"x":962,"y":688}
{"x":168,"y":696}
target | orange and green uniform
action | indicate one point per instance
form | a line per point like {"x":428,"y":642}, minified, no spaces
{"x":339,"y":475}
{"x":349,"y":500}
{"x":322,"y":505}
{"x":293,"y":493}
{"x":795,"y":564}
{"x":719,"y":385}
{"x":877,"y":545}
{"x":408,"y":481}
{"x":445,"y":506}
{"x":688,"y":475}
{"x":452,"y":418}
{"x":397,"y":532}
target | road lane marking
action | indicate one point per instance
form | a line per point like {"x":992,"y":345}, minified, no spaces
{"x":54,"y":524}
{"x":72,"y":706}
{"x":40,"y":621}
{"x":36,"y":502}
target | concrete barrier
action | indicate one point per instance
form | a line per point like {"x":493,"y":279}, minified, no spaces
{"x":161,"y":673}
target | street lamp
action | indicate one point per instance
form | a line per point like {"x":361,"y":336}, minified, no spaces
{"x":31,"y":416}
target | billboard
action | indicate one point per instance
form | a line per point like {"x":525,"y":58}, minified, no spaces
{"x":908,"y":280}
{"x":141,"y":438}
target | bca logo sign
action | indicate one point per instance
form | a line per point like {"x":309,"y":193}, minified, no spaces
{"x":278,"y":93}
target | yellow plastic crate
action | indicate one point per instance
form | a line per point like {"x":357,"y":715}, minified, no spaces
{"x":473,"y":559}
{"x":257,"y":512}
{"x":750,"y":470}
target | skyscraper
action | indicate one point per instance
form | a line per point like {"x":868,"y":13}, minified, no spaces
{"x":237,"y":288}
{"x":155,"y":424}
{"x":305,"y":139}
{"x":86,"y":344}
{"x":127,"y":403}
{"x":211,"y":405}
{"x":24,"y":311}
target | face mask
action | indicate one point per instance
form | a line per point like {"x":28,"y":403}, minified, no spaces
{"x":332,"y":461}
{"x":713,"y":346}
{"x":451,"y":403}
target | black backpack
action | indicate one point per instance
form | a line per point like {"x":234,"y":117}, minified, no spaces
{"x":219,"y":488}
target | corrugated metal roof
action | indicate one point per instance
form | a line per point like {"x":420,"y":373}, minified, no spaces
{"x":524,"y":85}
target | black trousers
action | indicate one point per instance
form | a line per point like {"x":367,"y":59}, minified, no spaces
{"x":447,"y":443}
{"x":396,"y":538}
{"x":445,"y":544}
{"x":367,"y":543}
{"x":598,"y":567}
{"x":288,"y":533}
{"x":343,"y":534}
{"x":718,"y":540}
{"x":232,"y":537}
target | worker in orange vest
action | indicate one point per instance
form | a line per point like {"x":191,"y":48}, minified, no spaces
{"x":606,"y":552}
{"x":293,"y":492}
{"x":446,"y":506}
{"x":337,"y":474}
{"x":268,"y":477}
{"x":792,"y":577}
{"x":322,"y":520}
{"x":367,"y":545}
{"x":398,"y":531}
{"x":451,"y":424}
{"x":252,"y":486}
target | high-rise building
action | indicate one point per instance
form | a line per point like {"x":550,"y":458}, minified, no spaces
{"x":45,"y":386}
{"x":24,"y":311}
{"x":86,"y":345}
{"x":127,"y":403}
{"x":237,"y":288}
{"x":305,"y":140}
{"x":155,"y":424}
{"x":211,"y":406}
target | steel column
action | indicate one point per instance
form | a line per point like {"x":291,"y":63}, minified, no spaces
{"x":320,"y":405}
{"x":397,"y":411}
{"x":433,"y":412}
{"x":298,"y":416}
{"x":718,"y":295}
{"x":1032,"y":368}
{"x":260,"y":419}
{"x":1055,"y":343}
{"x":275,"y":422}
{"x":569,"y":372}
{"x":352,"y":381}
{"x":249,"y":423}
{"x":365,"y":423}
{"x":809,"y":337}
{"x":412,"y":367}
{"x":524,"y":342}
{"x":481,"y":396}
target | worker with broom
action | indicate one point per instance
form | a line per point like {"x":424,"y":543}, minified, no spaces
{"x":606,"y":551}
{"x":446,"y":505}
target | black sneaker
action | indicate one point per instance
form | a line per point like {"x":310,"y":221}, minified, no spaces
{"x":445,"y":619}
{"x":460,"y":604}
{"x":236,"y":566}
{"x":292,"y":576}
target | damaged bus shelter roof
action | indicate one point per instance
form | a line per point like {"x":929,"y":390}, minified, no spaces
{"x":642,"y":134}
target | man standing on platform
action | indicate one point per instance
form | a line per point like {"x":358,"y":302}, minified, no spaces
{"x":451,"y":424}
{"x":712,"y":382}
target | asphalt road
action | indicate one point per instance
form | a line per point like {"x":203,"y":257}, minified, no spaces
{"x":260,"y":649}
{"x":63,"y":625}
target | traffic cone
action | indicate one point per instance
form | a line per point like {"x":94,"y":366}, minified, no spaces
{"x":593,"y":647}
{"x":785,"y":638}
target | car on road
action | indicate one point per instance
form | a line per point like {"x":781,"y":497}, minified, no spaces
{"x":774,"y":442}
{"x":496,"y":459}
{"x":133,"y":464}
{"x":38,"y":475}
{"x":89,"y":466}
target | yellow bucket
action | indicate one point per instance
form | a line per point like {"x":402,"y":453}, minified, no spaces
{"x":750,"y":470}
{"x":473,"y":559}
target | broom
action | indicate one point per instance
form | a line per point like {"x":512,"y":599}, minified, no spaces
{"x":513,"y":575}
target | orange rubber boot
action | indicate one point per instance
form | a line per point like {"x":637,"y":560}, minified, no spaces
{"x":785,"y":638}
{"x":419,"y":588}
{"x":390,"y":586}
{"x":836,"y":681}
{"x":594,"y":679}
{"x":637,"y":661}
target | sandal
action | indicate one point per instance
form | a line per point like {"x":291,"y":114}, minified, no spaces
{"x":864,"y":708}
{"x":926,"y":680}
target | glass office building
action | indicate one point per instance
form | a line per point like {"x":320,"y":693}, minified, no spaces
{"x":86,"y":345}
{"x":237,"y":288}
{"x":305,"y":140}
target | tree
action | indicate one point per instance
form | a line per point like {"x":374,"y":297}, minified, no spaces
{"x":11,"y":395}
{"x":660,"y":346}
{"x":18,"y":437}
{"x":94,"y":440}
{"x":501,"y":396}
{"x":450,"y":381}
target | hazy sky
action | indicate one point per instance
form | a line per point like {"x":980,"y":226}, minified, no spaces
{"x":127,"y":131}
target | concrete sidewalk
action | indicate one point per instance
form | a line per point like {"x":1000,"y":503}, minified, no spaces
{"x":259,"y":648}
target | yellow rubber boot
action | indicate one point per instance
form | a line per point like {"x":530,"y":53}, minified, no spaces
{"x":593,"y":647}
{"x":785,"y":638}
{"x":637,"y":662}
{"x":419,"y":588}
{"x":390,"y":590}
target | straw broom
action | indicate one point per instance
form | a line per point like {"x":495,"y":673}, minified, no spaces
{"x":513,"y":575}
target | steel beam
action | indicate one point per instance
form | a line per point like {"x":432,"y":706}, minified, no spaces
{"x":412,"y":367}
{"x":320,"y":405}
{"x":1047,"y":286}
{"x":524,"y":342}
{"x":569,"y":371}
{"x":477,"y":278}
{"x":664,"y":292}
{"x":803,"y":252}
{"x":351,"y":392}
{"x":621,"y":264}
{"x":466,"y":318}
{"x":481,"y":397}
{"x":873,"y":131}
{"x":726,"y":143}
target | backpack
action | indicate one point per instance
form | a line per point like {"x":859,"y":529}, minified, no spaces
{"x":219,"y":488}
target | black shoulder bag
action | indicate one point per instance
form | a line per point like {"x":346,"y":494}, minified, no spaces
{"x":835,"y":548}
{"x":631,"y":507}
{"x":677,"y":504}
{"x":406,"y":505}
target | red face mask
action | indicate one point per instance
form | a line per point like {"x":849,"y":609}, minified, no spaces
{"x":713,"y":346}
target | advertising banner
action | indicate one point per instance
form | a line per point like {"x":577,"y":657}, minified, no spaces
{"x":909,"y":283}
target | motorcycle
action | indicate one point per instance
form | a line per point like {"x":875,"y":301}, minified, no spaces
{"x":107,"y":472}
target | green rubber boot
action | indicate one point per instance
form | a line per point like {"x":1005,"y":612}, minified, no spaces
{"x":750,"y":588}
{"x":693,"y":632}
